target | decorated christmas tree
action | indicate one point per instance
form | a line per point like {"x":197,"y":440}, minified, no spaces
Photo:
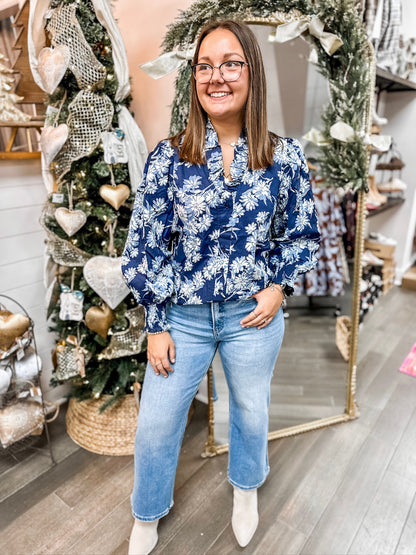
{"x":92,"y":155}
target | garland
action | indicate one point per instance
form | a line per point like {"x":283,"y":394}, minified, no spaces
{"x":349,"y":72}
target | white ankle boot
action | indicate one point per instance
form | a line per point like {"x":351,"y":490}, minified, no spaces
{"x":143,"y":537}
{"x":245,"y":516}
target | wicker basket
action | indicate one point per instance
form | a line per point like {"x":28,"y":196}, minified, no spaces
{"x":110,"y":433}
{"x":343,"y":336}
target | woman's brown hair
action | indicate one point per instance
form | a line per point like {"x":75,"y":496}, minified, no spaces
{"x":261,"y":142}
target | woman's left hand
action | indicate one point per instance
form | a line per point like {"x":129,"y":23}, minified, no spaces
{"x":268,"y":304}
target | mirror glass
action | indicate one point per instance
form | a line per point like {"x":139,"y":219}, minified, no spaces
{"x":310,"y":377}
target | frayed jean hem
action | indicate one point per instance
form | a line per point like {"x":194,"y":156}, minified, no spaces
{"x":235,"y":484}
{"x":155,"y":517}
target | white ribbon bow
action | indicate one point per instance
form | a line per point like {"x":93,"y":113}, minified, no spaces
{"x":341,"y":131}
{"x":168,"y":62}
{"x":301,"y":25}
{"x":316,"y":137}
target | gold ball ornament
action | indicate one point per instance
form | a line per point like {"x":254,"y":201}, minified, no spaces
{"x":99,"y":319}
{"x":12,"y":326}
{"x":115,"y":196}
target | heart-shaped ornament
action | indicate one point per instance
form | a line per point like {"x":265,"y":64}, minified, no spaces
{"x":12,"y":326}
{"x":99,"y":319}
{"x":115,"y":196}
{"x":52,"y":139}
{"x":52,"y":65}
{"x":70,"y":220}
{"x":103,"y":275}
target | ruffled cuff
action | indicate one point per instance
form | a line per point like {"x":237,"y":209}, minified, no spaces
{"x":156,"y":320}
{"x":294,"y":260}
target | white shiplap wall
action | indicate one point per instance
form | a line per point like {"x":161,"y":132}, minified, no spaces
{"x":22,"y":247}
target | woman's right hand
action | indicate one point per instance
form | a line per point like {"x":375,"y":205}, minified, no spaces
{"x":161,"y":352}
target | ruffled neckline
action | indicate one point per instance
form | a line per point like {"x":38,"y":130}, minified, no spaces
{"x":214,"y":157}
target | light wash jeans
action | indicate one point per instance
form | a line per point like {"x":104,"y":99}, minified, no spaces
{"x":248,"y":357}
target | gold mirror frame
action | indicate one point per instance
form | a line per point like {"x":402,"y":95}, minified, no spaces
{"x":274,"y":19}
{"x":351,"y":408}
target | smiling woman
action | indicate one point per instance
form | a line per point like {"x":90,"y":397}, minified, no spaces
{"x":223,"y":99}
{"x":222,"y":87}
{"x":231,"y":103}
{"x":342,"y":53}
{"x":224,"y":222}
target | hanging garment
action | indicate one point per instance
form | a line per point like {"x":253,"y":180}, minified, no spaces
{"x":388,"y":48}
{"x":328,"y":278}
{"x":349,"y":208}
{"x":373,"y":12}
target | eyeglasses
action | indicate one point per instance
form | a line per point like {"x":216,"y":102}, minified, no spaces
{"x":229,"y":71}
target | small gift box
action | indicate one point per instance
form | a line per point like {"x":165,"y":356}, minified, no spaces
{"x":71,"y":358}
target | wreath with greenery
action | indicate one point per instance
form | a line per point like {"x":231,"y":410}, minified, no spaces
{"x":349,"y":72}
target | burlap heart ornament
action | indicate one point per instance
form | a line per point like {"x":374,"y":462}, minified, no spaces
{"x":52,"y":65}
{"x":71,"y":221}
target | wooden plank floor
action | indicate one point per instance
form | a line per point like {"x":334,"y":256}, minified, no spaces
{"x":347,"y":489}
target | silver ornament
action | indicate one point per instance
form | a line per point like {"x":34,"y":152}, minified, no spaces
{"x":20,"y":420}
{"x":28,"y":367}
{"x":5,"y":377}
{"x":103,"y":275}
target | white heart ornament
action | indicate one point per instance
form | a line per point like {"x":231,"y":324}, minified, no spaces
{"x":70,"y":220}
{"x":52,"y":139}
{"x":52,"y":65}
{"x":103,"y":275}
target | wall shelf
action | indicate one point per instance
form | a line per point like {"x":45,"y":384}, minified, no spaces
{"x":386,"y":81}
{"x":391,"y":203}
{"x":36,"y":123}
{"x":400,"y":111}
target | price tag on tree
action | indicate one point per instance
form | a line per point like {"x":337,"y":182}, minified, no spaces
{"x":71,"y":304}
{"x":114,"y":145}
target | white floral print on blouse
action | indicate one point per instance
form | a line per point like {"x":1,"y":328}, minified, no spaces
{"x":196,"y":238}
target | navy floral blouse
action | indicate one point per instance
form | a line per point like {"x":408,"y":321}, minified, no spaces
{"x":196,"y":237}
